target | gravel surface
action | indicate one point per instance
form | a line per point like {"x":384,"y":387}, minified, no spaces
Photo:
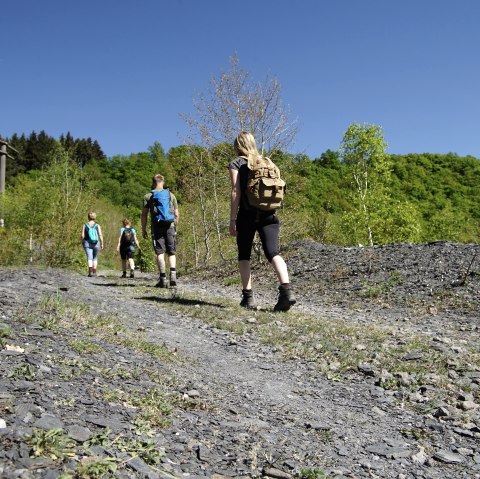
{"x":242,"y":410}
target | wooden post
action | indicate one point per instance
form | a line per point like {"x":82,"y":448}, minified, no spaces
{"x":3,"y":165}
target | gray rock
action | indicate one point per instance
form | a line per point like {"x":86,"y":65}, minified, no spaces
{"x":142,"y":468}
{"x":48,"y":421}
{"x":79,"y":433}
{"x":276,"y":473}
{"x":448,"y":457}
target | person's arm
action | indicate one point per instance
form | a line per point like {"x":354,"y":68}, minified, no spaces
{"x":83,"y":232}
{"x":119,"y":240}
{"x":136,"y":240}
{"x":100,"y":236}
{"x":235,"y":195}
{"x":144,"y":221}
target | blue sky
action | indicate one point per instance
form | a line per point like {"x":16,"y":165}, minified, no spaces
{"x":121,"y":71}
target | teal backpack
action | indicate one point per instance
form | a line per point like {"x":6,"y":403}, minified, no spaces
{"x":91,"y":233}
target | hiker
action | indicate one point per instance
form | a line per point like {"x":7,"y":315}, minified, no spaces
{"x":246,"y":219}
{"x":92,"y":240}
{"x":126,"y":246}
{"x":163,"y":208}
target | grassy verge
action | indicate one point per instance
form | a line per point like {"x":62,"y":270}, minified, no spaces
{"x":400,"y":360}
{"x":79,"y":347}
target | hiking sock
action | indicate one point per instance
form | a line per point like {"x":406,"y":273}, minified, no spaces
{"x":173,"y":277}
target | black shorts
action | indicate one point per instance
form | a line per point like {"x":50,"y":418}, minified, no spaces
{"x":127,"y":252}
{"x":268,"y":227}
{"x":164,"y":238}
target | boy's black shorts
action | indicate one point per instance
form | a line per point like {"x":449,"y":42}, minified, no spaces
{"x":164,"y":238}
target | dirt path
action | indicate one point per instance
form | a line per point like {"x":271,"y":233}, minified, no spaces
{"x":262,"y":414}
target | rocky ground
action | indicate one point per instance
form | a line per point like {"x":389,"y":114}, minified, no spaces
{"x":134,"y":384}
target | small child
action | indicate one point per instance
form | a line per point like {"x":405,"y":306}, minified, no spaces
{"x":126,"y":246}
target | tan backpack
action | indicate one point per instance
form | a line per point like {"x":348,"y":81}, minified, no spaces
{"x":265,"y":188}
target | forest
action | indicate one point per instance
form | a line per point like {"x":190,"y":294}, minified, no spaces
{"x":52,"y":183}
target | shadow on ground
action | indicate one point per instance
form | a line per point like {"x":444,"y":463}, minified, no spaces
{"x":182,"y":301}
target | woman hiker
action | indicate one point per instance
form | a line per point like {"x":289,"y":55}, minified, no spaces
{"x":92,"y":240}
{"x":246,"y":220}
{"x":126,"y":246}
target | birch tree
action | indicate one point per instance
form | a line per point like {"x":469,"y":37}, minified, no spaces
{"x":384,"y":219}
{"x":363,"y":150}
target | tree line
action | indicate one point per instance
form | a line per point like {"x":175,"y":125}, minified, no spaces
{"x":355,"y":195}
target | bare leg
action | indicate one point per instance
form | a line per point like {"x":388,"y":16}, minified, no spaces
{"x":161,"y":263}
{"x":245,"y":273}
{"x":280,"y":268}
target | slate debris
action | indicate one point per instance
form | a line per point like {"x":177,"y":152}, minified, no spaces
{"x":253,"y":414}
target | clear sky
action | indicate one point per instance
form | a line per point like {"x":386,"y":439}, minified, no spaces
{"x":121,"y":71}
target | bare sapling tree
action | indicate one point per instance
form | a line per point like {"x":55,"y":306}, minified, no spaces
{"x":233,"y":102}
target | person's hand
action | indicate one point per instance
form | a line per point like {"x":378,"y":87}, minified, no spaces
{"x":101,"y":246}
{"x":118,"y":248}
{"x":144,"y":234}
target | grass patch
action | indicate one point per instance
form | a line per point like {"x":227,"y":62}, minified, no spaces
{"x":84,"y":346}
{"x":154,"y":406}
{"x":338,"y":347}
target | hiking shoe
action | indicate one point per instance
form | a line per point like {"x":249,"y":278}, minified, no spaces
{"x":247,"y":301}
{"x":173,"y":282}
{"x":90,"y":274}
{"x":124,"y":275}
{"x":131,"y":274}
{"x":162,"y":283}
{"x":285,"y":298}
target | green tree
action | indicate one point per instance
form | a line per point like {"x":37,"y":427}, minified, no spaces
{"x":382,"y":218}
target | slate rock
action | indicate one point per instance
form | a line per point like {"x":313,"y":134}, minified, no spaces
{"x":142,"y":468}
{"x":48,"y":421}
{"x":448,"y":457}
{"x":79,"y":433}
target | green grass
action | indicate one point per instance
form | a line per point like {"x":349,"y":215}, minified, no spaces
{"x":337,"y":347}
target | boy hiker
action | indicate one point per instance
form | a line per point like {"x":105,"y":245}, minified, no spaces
{"x":126,"y":246}
{"x":163,"y":208}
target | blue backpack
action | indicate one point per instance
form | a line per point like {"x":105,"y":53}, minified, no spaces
{"x":161,"y":202}
{"x":91,"y":233}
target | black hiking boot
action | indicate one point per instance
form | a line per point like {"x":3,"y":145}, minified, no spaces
{"x":132,"y":275}
{"x":247,"y":299}
{"x":173,"y":278}
{"x":162,"y":283}
{"x":285,"y":298}
{"x":124,"y":275}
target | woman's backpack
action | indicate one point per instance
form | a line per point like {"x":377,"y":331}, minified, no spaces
{"x":91,"y":233}
{"x":265,"y":188}
{"x":128,"y":238}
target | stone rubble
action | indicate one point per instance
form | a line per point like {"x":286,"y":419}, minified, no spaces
{"x":250,"y":413}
